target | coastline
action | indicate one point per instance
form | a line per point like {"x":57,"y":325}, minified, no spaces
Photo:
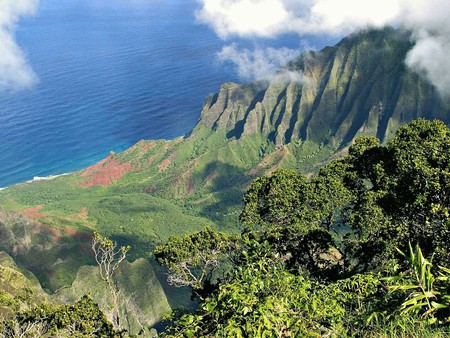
{"x":39,"y":178}
{"x":51,"y":177}
{"x":46,"y":178}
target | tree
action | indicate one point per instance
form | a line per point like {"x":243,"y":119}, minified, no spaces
{"x":402,"y":190}
{"x":108,"y":256}
{"x":82,"y":319}
{"x":192,"y":259}
{"x":263,"y":299}
{"x":367,"y":204}
{"x":276,"y":202}
{"x":297,"y":216}
{"x":383,"y":196}
{"x":420,"y":187}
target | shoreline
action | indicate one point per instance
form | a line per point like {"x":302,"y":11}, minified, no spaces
{"x":51,"y":177}
{"x":39,"y":178}
{"x":47,"y":178}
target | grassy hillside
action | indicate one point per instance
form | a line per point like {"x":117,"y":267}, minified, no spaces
{"x":58,"y":256}
{"x":158,"y":188}
{"x":143,"y":301}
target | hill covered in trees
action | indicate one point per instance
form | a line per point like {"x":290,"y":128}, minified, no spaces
{"x":360,"y":249}
{"x":156,"y":189}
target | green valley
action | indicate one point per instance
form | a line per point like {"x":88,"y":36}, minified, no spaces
{"x":157,"y":188}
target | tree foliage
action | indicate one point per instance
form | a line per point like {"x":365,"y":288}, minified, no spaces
{"x":323,"y":256}
{"x":192,"y":259}
{"x":381,"y":196}
{"x":402,"y":190}
{"x":108,"y":256}
{"x":82,"y":319}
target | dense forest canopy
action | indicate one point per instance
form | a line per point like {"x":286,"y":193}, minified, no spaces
{"x":356,"y":250}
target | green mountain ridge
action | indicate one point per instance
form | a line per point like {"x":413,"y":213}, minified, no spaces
{"x":155,"y":189}
{"x":361,"y":85}
{"x":358,"y":87}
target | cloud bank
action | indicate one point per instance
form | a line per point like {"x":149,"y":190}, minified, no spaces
{"x":270,"y":18}
{"x":261,"y":63}
{"x":15,"y":72}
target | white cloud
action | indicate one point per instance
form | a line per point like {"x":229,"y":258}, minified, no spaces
{"x":260,"y":63}
{"x":430,"y":57}
{"x":268,"y":18}
{"x":15,"y":73}
{"x":244,"y":17}
{"x":271,"y":18}
{"x":344,"y":15}
{"x":430,"y":54}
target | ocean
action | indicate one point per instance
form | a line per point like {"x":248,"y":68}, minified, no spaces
{"x":110,"y":73}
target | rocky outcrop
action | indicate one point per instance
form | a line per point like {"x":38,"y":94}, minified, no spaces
{"x":310,"y":112}
{"x":359,"y":86}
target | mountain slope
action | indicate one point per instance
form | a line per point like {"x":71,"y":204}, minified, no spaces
{"x":143,"y":302}
{"x":158,"y":188}
{"x":360,"y":86}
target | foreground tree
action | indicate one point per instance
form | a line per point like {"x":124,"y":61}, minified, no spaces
{"x":192,"y":259}
{"x":379,"y":196}
{"x":402,"y":191}
{"x":298,"y":217}
{"x":108,"y":256}
{"x":367,"y":206}
{"x":82,"y":319}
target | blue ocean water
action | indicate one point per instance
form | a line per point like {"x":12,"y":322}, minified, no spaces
{"x":110,"y":73}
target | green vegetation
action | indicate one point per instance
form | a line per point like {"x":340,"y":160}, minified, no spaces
{"x":142,"y":300}
{"x":81,"y":319}
{"x":324,"y":256}
{"x":343,"y":218}
{"x":117,"y":291}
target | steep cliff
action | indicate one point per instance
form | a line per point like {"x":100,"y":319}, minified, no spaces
{"x":309,"y":113}
{"x":359,"y":86}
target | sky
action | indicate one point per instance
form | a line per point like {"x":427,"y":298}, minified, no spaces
{"x":269,"y":19}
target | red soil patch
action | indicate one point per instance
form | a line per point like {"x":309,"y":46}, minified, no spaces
{"x":164,"y":165}
{"x":96,"y":167}
{"x":272,"y":169}
{"x":78,"y":235}
{"x":55,"y":233}
{"x":106,"y":172}
{"x":143,"y":145}
{"x":32,"y":212}
{"x":276,"y":156}
{"x":82,"y":214}
{"x":151,"y":160}
{"x":281,"y":156}
{"x":186,"y":177}
{"x":149,"y":145}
